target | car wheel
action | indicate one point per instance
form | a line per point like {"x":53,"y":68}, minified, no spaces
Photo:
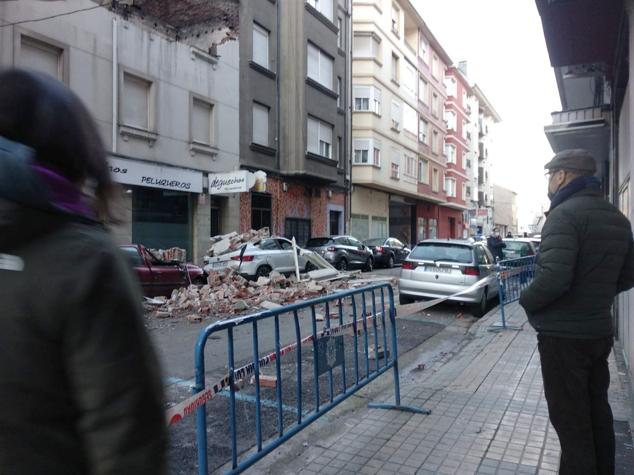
{"x":369,"y":265}
{"x":404,"y":299}
{"x":200,"y":280}
{"x":480,"y":308}
{"x":309,"y":267}
{"x":342,"y":265}
{"x":263,"y":271}
{"x":390,"y":262}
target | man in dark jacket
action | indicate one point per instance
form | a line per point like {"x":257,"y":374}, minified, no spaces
{"x":495,"y":244}
{"x":586,"y":258}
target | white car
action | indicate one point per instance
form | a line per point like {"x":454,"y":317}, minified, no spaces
{"x":260,"y":258}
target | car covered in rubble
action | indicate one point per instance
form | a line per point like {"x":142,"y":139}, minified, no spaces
{"x":158,"y":277}
{"x":260,"y":258}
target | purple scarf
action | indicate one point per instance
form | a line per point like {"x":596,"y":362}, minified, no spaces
{"x":63,"y":193}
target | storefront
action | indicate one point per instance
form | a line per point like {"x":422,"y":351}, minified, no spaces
{"x":159,"y":203}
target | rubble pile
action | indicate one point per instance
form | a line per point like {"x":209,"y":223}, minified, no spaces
{"x":225,"y":243}
{"x":171,"y":254}
{"x":227,"y":294}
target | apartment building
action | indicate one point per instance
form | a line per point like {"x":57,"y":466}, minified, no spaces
{"x":167,"y":110}
{"x":398,"y":131}
{"x":458,"y":146}
{"x":505,"y":210}
{"x":487,"y":118}
{"x":295,"y":122}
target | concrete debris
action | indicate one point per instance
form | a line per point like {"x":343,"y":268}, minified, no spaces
{"x":193,"y":318}
{"x":322,"y":274}
{"x":262,"y":281}
{"x":233,"y":241}
{"x":228,"y":294}
{"x":265,"y":381}
{"x":172,"y":254}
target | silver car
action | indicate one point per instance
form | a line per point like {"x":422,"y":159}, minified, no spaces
{"x":439,"y":268}
{"x":260,"y":258}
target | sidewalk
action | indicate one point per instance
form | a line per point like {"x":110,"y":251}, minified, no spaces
{"x":489,"y":416}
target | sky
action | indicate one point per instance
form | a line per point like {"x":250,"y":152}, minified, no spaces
{"x":503,"y":44}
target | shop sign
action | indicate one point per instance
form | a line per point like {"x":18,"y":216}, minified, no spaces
{"x":132,"y":172}
{"x":236,"y":182}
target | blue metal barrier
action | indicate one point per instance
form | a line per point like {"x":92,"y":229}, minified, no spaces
{"x":513,"y":276}
{"x":328,"y":345}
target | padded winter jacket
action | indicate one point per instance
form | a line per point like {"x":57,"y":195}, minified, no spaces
{"x":80,"y":389}
{"x":585,"y":259}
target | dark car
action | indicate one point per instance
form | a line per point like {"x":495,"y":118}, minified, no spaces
{"x":343,"y":252}
{"x":157,"y":277}
{"x":387,"y":251}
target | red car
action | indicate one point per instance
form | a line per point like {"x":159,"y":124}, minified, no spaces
{"x":160,"y":277}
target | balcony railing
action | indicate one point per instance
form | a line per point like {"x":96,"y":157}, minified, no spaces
{"x":579,"y":115}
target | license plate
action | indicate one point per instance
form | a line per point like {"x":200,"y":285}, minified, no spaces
{"x":217,"y":265}
{"x":438,"y":270}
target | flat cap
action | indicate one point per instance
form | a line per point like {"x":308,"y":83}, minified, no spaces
{"x":576,"y":159}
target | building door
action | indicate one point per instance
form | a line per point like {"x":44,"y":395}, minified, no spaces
{"x":260,"y":211}
{"x":298,"y":228}
{"x":402,"y":222}
{"x":452,"y":228}
{"x":334,"y":219}
{"x":215,"y":223}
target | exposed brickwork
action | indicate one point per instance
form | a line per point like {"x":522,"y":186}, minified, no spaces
{"x":299,"y":201}
{"x":245,"y":212}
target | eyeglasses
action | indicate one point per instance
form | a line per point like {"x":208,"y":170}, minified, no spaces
{"x":549,"y":174}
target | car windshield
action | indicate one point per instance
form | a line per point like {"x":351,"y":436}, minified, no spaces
{"x":133,"y":256}
{"x":442,"y":252}
{"x":317,"y":242}
{"x":374,"y":242}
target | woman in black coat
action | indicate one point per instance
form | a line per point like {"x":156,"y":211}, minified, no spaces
{"x":80,"y":387}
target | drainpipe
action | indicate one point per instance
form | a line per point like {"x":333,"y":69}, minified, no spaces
{"x":347,"y":212}
{"x":277,"y":85}
{"x":115,"y":84}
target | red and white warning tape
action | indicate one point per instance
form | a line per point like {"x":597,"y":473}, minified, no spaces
{"x":176,"y":413}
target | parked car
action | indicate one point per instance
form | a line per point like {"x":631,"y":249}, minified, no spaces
{"x":536,"y":240}
{"x":521,"y":247}
{"x":260,"y":258}
{"x":343,"y":252}
{"x":387,"y":251}
{"x":157,"y":277}
{"x":438,"y":268}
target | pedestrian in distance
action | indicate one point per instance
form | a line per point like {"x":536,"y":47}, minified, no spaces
{"x":586,"y":258}
{"x":509,"y":235}
{"x":495,"y":244}
{"x":80,"y":388}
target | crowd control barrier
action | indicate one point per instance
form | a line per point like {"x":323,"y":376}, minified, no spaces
{"x":513,"y":276}
{"x":355,"y":345}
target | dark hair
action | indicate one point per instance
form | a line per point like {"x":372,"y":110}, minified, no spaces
{"x":42,"y":113}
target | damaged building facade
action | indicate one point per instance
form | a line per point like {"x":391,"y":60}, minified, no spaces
{"x":162,"y":84}
{"x":294,"y":115}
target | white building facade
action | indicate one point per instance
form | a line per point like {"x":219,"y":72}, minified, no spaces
{"x":167,"y":111}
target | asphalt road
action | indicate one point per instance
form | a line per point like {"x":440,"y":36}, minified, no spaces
{"x":175,"y":342}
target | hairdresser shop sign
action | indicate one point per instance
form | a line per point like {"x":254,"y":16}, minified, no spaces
{"x":133,"y":172}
